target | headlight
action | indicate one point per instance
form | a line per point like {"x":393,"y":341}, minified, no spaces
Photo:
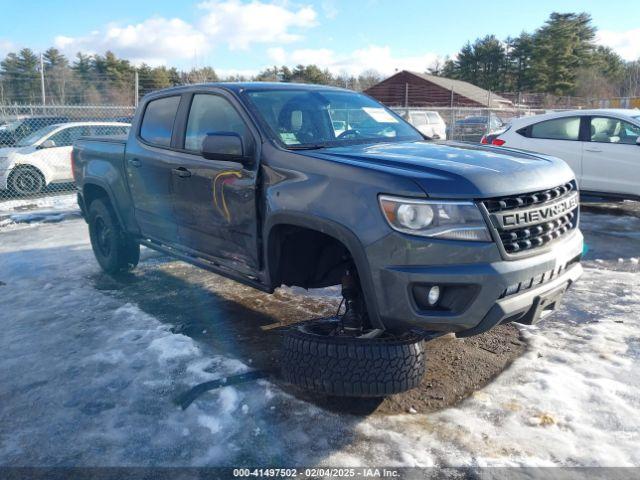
{"x":432,"y":218}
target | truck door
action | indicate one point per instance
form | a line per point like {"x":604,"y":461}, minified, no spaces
{"x":215,"y":200}
{"x":149,"y":163}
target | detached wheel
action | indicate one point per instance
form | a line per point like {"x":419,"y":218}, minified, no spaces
{"x":26,"y":181}
{"x":115,"y":251}
{"x":315,"y":356}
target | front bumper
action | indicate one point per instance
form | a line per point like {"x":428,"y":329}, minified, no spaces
{"x":400,"y":262}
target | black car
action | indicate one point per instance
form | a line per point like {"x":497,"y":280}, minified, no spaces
{"x":13,"y":132}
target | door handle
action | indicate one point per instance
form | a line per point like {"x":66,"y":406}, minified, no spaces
{"x":181,"y":172}
{"x":134,"y":162}
{"x":594,"y":150}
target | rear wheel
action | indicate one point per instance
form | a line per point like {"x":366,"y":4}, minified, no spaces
{"x":26,"y":181}
{"x":321,"y":356}
{"x":115,"y":251}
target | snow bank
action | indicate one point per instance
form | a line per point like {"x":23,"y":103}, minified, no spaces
{"x":51,"y":209}
{"x":52,"y":202}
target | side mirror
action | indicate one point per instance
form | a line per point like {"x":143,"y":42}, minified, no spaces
{"x":48,"y":144}
{"x":224,"y":146}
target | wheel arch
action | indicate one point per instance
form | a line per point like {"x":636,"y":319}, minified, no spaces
{"x":94,"y":189}
{"x":336,"y":231}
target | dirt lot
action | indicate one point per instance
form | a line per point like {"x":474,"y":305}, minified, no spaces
{"x":224,"y":314}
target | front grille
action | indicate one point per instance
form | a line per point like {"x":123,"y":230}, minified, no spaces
{"x":540,"y":225}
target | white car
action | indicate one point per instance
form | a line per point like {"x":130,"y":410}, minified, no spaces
{"x":601,"y":146}
{"x":44,"y":157}
{"x":428,"y":122}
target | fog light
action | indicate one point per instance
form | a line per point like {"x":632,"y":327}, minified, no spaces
{"x":434,"y":295}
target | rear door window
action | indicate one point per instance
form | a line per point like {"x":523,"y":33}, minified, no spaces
{"x":157,"y":123}
{"x":66,"y":137}
{"x":100,"y":130}
{"x":557,"y":129}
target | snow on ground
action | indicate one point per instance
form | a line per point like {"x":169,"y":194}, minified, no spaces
{"x":89,"y":378}
{"x":48,"y":209}
{"x":64,"y":201}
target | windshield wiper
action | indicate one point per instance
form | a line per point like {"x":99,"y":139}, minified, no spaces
{"x":310,"y":146}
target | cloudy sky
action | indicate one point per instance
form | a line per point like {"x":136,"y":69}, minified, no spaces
{"x":244,"y":36}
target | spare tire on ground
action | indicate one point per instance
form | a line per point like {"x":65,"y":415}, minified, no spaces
{"x":317,"y":358}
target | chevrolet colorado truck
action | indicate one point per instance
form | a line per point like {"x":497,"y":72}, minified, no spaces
{"x":254,"y":182}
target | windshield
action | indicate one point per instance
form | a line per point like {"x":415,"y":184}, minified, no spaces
{"x":323,"y":118}
{"x":35,"y":136}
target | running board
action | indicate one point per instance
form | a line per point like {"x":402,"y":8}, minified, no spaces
{"x":207,"y":265}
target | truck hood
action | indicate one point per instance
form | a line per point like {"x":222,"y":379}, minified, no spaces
{"x":455,"y":169}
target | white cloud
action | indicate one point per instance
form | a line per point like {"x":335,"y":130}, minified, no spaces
{"x":319,"y":56}
{"x":155,"y":41}
{"x":373,"y":57}
{"x":277,"y":54}
{"x":626,"y":44}
{"x":329,"y":9}
{"x":241,"y":24}
{"x":233,"y":23}
{"x":6,"y":46}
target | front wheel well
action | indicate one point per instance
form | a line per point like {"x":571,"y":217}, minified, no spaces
{"x":306,"y":258}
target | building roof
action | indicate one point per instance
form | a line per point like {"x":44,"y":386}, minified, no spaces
{"x":466,"y":89}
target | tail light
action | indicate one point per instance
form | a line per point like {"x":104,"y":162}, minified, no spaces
{"x":73,"y":166}
{"x":492,"y":139}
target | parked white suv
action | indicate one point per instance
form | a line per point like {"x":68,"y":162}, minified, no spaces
{"x":601,"y":146}
{"x":428,"y":122}
{"x":44,"y":157}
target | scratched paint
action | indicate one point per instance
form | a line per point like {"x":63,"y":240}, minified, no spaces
{"x":220,"y":180}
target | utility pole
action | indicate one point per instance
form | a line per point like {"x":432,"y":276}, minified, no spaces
{"x":136,"y":89}
{"x":42,"y":79}
{"x":488,"y":128}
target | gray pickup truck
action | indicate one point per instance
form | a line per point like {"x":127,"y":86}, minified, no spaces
{"x":285,"y":184}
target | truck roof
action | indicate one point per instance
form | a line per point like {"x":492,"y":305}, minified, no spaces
{"x":239,"y":86}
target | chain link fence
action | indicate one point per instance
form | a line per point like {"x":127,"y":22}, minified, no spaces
{"x":465,"y":124}
{"x":36,"y":144}
{"x":36,"y":141}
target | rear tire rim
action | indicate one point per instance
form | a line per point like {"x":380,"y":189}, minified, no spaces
{"x":103,"y":237}
{"x":27,"y":181}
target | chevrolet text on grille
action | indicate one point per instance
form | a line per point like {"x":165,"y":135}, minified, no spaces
{"x":536,"y":215}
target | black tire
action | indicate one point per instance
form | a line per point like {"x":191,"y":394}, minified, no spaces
{"x":26,"y":181}
{"x":115,"y":251}
{"x":351,"y":367}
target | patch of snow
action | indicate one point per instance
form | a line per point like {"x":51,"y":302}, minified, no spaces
{"x":64,"y":201}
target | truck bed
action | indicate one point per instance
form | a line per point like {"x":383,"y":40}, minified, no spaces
{"x":104,"y":148}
